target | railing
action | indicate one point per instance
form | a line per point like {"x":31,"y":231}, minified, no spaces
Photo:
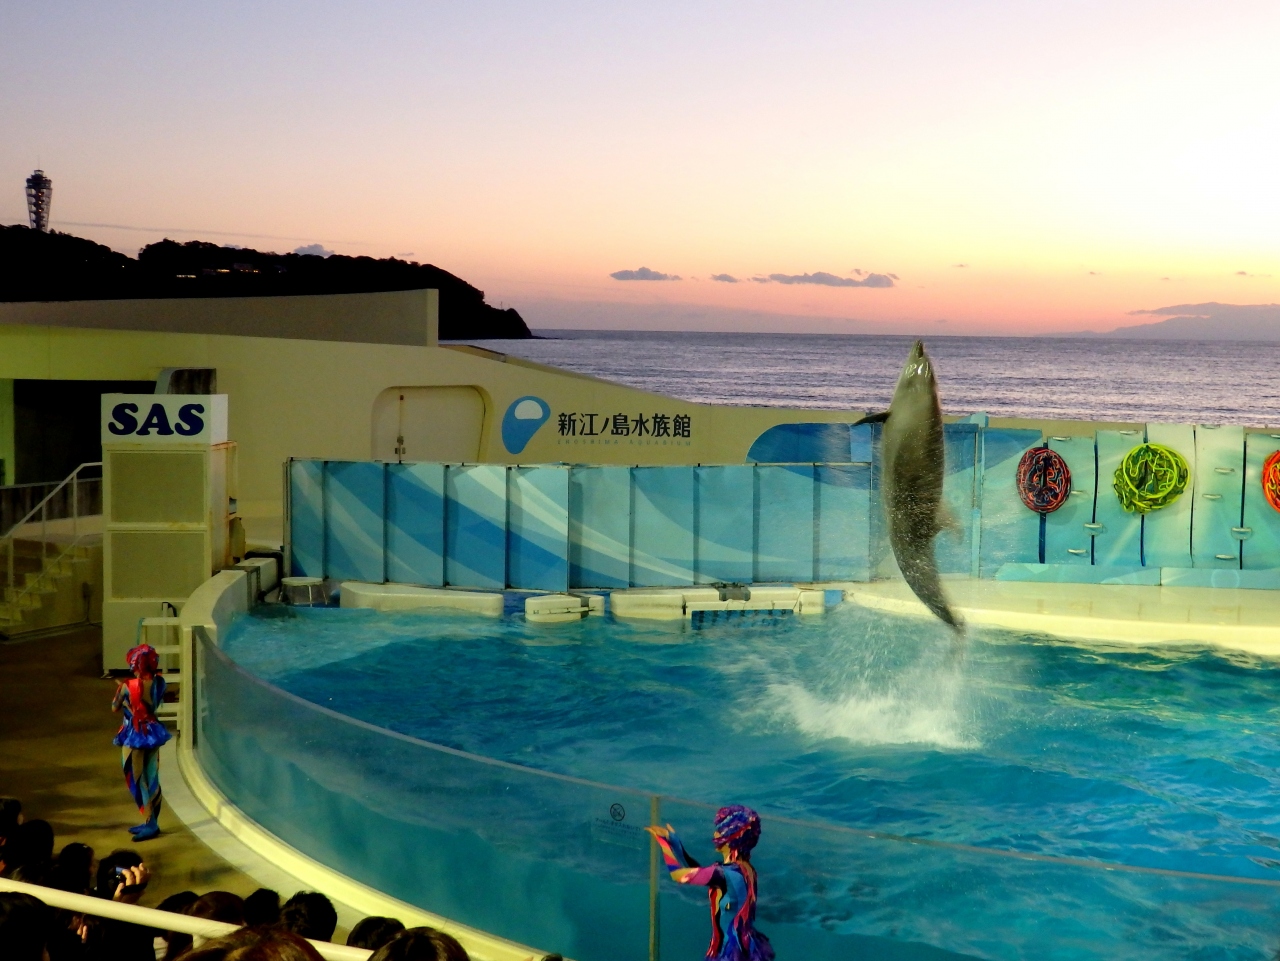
{"x":70,"y":499}
{"x":21,"y":500}
{"x":160,"y":920}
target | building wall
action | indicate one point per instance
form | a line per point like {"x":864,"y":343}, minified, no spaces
{"x":316,"y":399}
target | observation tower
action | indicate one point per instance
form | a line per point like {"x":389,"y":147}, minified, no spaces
{"x":39,"y":197}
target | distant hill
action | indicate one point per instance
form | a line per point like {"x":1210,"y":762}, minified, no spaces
{"x":1208,"y":322}
{"x":57,"y":266}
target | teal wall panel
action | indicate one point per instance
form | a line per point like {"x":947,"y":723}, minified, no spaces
{"x":1010,"y":534}
{"x":1119,"y":540}
{"x":415,"y":524}
{"x":600,"y":526}
{"x":1262,"y":549}
{"x":955,"y":548}
{"x":725,"y":524}
{"x":1066,"y":539}
{"x":662,"y":526}
{"x":843,"y":510}
{"x":1219,"y":496}
{"x":1166,"y":533}
{"x":306,"y":518}
{"x":784,"y":523}
{"x":476,"y":526}
{"x":354,"y":510}
{"x":538,"y":528}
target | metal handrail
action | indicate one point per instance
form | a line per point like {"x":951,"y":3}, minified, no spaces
{"x":161,"y":920}
{"x":43,"y":510}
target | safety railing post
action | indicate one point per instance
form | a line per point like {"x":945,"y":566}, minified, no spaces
{"x":655,"y":866}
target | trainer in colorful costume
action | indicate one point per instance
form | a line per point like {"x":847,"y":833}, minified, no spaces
{"x":141,"y":735}
{"x":731,"y":885}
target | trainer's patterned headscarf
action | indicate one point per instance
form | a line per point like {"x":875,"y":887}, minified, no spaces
{"x":143,"y":659}
{"x":738,"y":828}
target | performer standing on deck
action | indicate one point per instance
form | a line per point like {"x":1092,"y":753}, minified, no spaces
{"x":731,"y":885}
{"x":141,"y":735}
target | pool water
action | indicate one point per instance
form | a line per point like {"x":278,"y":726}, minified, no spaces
{"x":1160,"y":758}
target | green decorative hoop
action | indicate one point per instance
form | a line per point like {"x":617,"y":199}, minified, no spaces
{"x":1150,"y":477}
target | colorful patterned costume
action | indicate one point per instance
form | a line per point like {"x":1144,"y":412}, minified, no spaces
{"x":141,"y":735}
{"x":731,"y":885}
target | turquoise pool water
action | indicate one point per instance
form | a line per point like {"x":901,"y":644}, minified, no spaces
{"x":1021,"y":748}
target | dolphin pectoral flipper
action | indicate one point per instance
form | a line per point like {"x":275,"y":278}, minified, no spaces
{"x":947,"y":521}
{"x":879,"y":418}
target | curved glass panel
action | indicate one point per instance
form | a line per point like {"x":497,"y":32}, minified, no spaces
{"x":563,"y":864}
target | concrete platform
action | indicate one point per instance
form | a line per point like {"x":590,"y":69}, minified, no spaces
{"x":1244,"y":620}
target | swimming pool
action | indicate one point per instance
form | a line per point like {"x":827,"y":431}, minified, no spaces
{"x":1022,"y":797}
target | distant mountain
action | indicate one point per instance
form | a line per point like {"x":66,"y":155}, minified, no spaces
{"x":57,"y":266}
{"x":1207,"y":322}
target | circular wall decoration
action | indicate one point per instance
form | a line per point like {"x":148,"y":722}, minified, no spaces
{"x":1150,"y":477}
{"x":1044,"y":480}
{"x":1271,"y":480}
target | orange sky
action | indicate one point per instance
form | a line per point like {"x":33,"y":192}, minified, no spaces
{"x":1082,"y":161}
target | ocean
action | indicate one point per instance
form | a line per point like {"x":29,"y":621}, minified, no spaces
{"x":1075,"y":378}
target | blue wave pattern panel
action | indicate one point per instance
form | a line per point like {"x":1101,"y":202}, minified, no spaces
{"x":476,"y":526}
{"x":784,"y":523}
{"x":538,"y":528}
{"x":955,"y":548}
{"x":1118,"y":542}
{"x":843,"y":514}
{"x":1166,"y":533}
{"x":1066,"y":539}
{"x":1009,"y":533}
{"x":1262,"y":549}
{"x":1219,"y":496}
{"x":802,"y":444}
{"x":600,"y":526}
{"x":662,"y":527}
{"x":415,"y":524}
{"x":725,"y":524}
{"x":354,"y":507}
{"x":306,"y":518}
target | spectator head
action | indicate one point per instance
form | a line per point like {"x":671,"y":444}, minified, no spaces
{"x":421,"y":944}
{"x":107,"y":876}
{"x":24,"y":926}
{"x":373,"y":933}
{"x":29,"y":847}
{"x":262,"y":908}
{"x":309,"y":914}
{"x":216,"y":906}
{"x":72,"y":869}
{"x":255,"y":944}
{"x":10,"y":815}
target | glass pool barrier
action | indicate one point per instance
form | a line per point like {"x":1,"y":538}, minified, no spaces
{"x":563,"y":864}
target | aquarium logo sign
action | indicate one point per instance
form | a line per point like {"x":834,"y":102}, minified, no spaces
{"x":521,"y":422}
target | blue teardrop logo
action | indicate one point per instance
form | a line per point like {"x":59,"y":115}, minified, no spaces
{"x":521,"y":422}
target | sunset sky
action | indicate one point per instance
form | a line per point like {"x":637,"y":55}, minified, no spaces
{"x":995,"y":167}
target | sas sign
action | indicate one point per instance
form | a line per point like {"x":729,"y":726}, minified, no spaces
{"x":164,"y":418}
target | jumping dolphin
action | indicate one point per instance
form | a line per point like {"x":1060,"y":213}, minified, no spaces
{"x":912,"y":459}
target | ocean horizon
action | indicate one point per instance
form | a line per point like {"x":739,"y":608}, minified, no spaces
{"x":1061,"y":377}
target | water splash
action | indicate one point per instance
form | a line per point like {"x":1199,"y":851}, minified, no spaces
{"x":927,"y":715}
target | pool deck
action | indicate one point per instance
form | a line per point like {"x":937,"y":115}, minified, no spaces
{"x":56,"y":756}
{"x":1243,"y":620}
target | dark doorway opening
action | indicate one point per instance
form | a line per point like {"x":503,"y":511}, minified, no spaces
{"x":57,"y":424}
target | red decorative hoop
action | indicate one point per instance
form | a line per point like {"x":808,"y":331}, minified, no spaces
{"x":1044,"y":480}
{"x":1271,"y":480}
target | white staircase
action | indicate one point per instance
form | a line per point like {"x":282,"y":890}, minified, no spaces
{"x":46,"y":560}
